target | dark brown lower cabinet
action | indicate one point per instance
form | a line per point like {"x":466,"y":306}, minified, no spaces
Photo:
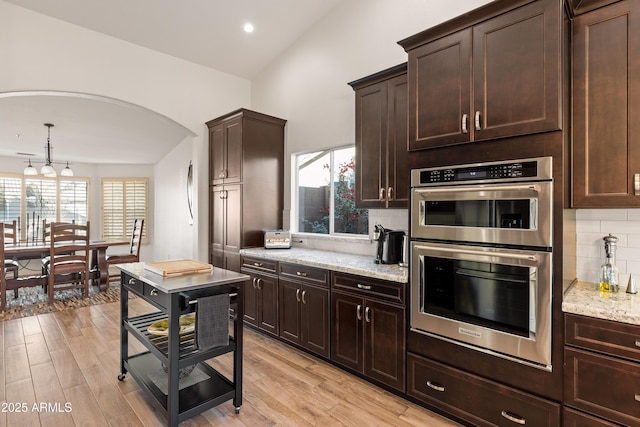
{"x":304,"y":315}
{"x":474,"y":399}
{"x":260,"y":295}
{"x":368,"y":333}
{"x":602,"y":369}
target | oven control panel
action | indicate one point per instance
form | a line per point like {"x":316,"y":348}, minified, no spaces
{"x":491,"y":172}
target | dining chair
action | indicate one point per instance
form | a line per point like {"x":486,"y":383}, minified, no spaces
{"x":134,"y":249}
{"x":10,"y":236}
{"x":68,"y":266}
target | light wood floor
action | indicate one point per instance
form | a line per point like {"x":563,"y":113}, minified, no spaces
{"x":66,"y":363}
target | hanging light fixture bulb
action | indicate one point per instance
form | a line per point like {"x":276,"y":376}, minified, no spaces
{"x":30,"y":170}
{"x":66,"y":171}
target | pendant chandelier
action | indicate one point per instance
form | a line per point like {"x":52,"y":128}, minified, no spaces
{"x":47,"y":170}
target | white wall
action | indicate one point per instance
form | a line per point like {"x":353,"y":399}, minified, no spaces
{"x":307,"y":85}
{"x":42,"y":53}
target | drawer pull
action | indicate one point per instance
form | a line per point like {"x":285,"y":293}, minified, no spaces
{"x":365,"y":287}
{"x":133,"y":282}
{"x":513,"y":418}
{"x":637,"y":343}
{"x":301,"y":273}
{"x":153,"y":293}
{"x":435,"y":386}
{"x":257,"y":264}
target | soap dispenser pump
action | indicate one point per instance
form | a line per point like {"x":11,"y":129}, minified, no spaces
{"x":609,"y":270}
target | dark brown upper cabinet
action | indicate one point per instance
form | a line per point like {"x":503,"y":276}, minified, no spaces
{"x":606,"y":106}
{"x":474,"y":78}
{"x":382,"y":175}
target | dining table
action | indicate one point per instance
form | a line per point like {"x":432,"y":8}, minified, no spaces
{"x":39,"y":250}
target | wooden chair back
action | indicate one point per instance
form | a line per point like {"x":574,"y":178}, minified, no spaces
{"x":136,"y":238}
{"x":10,"y":233}
{"x":69,"y":257}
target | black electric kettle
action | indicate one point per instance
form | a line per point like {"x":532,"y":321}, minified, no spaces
{"x":389,"y":249}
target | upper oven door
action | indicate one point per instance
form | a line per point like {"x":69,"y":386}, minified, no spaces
{"x":512,"y":214}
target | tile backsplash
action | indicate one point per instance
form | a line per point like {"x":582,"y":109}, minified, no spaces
{"x":594,"y":224}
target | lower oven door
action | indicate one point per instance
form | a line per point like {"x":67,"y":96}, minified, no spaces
{"x":495,"y":300}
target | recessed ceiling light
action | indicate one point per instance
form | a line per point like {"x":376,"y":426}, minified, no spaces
{"x":248,"y":27}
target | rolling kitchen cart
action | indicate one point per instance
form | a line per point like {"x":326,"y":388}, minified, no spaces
{"x":175,"y":353}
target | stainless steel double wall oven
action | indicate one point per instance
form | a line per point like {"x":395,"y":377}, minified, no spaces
{"x":481,"y":257}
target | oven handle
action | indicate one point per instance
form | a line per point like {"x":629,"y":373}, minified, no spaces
{"x":531,"y":187}
{"x":493,"y":276}
{"x":482,"y":253}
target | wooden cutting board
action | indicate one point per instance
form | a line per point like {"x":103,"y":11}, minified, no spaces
{"x":177,"y":267}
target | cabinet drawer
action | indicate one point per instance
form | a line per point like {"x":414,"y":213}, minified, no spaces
{"x":134,"y":285}
{"x":260,"y":264}
{"x":474,"y":399}
{"x":317,"y":276}
{"x":604,"y":336}
{"x":381,"y":289}
{"x":602,"y":385}
{"x":573,"y":418}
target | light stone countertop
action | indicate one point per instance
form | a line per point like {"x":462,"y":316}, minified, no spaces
{"x":585,"y":299}
{"x":337,"y":261}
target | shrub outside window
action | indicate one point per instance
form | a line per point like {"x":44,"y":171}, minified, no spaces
{"x":326,"y":193}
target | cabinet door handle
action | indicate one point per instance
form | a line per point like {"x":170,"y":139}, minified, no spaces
{"x":259,"y":282}
{"x":367,"y":314}
{"x":435,"y":386}
{"x":298,"y":295}
{"x":365,"y":287}
{"x":636,"y":184}
{"x":390,"y":193}
{"x":477,"y":121}
{"x":255,"y":286}
{"x":514,"y":418}
{"x":359,"y":312}
{"x":304,"y":293}
{"x":301,"y":273}
{"x":637,"y":397}
{"x":381,"y":194}
{"x":465,"y":119}
{"x":154,"y":292}
{"x":222,"y":174}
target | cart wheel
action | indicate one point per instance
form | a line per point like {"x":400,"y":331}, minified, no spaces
{"x":237,"y":410}
{"x":121,"y":377}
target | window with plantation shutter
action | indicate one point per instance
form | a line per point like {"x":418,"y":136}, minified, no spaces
{"x":10,"y":198}
{"x":123,"y":201}
{"x":32,"y":200}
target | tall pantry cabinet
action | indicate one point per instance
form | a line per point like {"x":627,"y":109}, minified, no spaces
{"x":246,"y":180}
